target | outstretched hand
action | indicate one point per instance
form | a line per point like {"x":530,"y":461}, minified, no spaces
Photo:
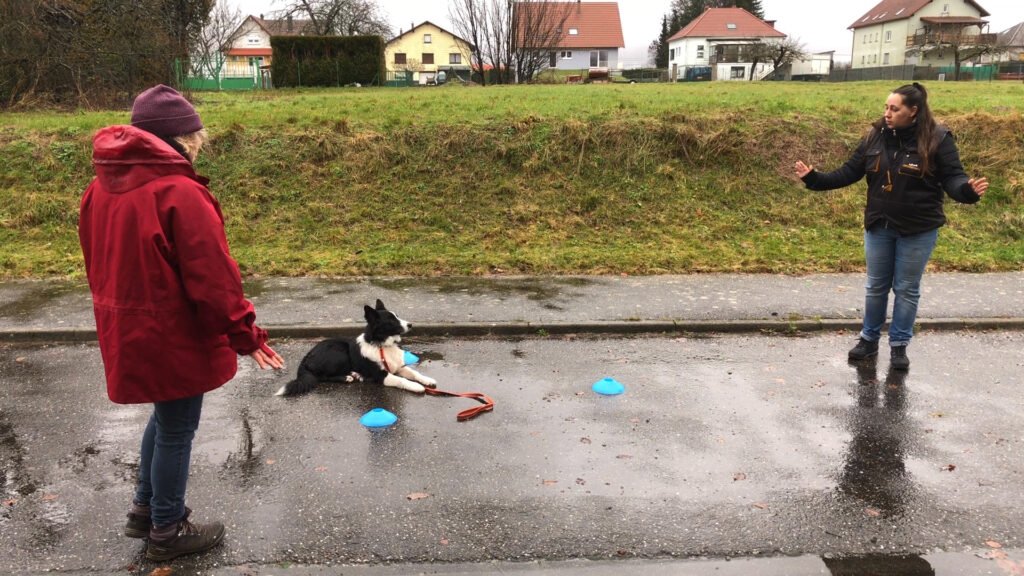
{"x":802,"y":169}
{"x":980,"y":185}
{"x":267,"y":358}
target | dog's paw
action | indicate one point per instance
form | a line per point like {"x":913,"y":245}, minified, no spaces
{"x":428,"y":382}
{"x":414,"y":387}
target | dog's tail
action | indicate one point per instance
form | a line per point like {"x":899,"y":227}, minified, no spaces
{"x":304,"y":382}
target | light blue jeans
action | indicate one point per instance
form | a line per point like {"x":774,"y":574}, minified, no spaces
{"x":895,"y":263}
{"x":164,"y":459}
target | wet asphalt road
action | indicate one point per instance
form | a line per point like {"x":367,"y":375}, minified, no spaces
{"x":722,"y":446}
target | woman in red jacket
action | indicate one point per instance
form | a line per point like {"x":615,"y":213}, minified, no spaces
{"x":170,"y":314}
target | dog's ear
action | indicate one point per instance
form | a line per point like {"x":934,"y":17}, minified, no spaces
{"x":380,"y":305}
{"x":370,"y":314}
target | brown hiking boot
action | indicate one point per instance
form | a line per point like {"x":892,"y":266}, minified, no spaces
{"x":182,"y":538}
{"x":139,"y":522}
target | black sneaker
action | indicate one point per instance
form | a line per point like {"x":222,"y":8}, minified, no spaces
{"x":898,"y":358}
{"x":864,"y":349}
{"x":185,"y":538}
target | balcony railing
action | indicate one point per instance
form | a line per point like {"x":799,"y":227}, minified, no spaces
{"x":933,"y":38}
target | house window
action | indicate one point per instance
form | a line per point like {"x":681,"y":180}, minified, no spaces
{"x":426,"y":39}
{"x":671,"y":53}
{"x":566,"y":54}
{"x":428,"y":58}
{"x":738,"y":72}
{"x":863,"y":59}
{"x":573,"y":31}
{"x":730,"y":26}
{"x":455,"y":58}
{"x":888,"y":35}
{"x":865,"y":39}
{"x":252,"y":39}
{"x":399,"y":58}
{"x":700,"y":51}
{"x":599,"y":59}
{"x":885,"y":58}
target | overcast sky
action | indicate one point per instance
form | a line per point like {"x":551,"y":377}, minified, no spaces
{"x":821,"y":25}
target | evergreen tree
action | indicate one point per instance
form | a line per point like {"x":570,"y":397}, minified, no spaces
{"x":661,"y":49}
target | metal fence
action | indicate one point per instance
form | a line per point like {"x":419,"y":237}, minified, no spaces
{"x":911,"y":72}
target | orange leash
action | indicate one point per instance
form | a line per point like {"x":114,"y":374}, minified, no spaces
{"x":469,"y":413}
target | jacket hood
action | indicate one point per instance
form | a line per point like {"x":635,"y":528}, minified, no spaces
{"x":126,"y":157}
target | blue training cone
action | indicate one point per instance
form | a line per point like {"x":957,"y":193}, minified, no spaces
{"x":378,"y":418}
{"x":408,"y":358}
{"x":608,"y":387}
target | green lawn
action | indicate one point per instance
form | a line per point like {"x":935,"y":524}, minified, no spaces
{"x":556,"y":179}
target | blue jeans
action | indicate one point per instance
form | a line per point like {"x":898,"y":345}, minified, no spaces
{"x":166,"y":451}
{"x":895,"y":263}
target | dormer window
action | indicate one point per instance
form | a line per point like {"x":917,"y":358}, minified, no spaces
{"x":730,"y":26}
{"x":574,"y":31}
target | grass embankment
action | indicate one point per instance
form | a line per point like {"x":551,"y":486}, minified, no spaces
{"x":597,"y":179}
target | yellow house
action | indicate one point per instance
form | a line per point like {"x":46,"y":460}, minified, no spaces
{"x":425,"y":50}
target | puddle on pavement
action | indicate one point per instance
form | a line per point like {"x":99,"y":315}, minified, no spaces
{"x":874,"y":463}
{"x":533,"y":289}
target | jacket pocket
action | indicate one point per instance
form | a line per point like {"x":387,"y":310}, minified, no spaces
{"x":873,"y":161}
{"x":911,"y":166}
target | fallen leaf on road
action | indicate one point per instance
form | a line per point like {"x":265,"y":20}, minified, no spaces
{"x":10,"y":502}
{"x":761,"y":505}
{"x":418,"y":496}
{"x":873,"y":512}
{"x":444,"y":541}
{"x":20,"y":359}
{"x":585,"y":440}
{"x":993,"y":544}
{"x":739,"y":476}
{"x":949,"y":467}
{"x":50,"y":497}
{"x":550,"y":482}
{"x":162,"y":571}
{"x":271,"y":460}
{"x":936,"y":415}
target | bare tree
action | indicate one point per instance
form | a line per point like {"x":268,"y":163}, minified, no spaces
{"x":538,"y":27}
{"x":339,"y":17}
{"x":469,"y":20}
{"x":785,"y":51}
{"x":219,"y":33}
{"x":514,"y":38}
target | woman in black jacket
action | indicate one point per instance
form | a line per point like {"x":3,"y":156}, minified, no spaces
{"x":908,"y":160}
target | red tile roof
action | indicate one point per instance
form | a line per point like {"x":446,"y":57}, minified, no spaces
{"x":727,"y":23}
{"x":597,"y":23}
{"x":891,"y":10}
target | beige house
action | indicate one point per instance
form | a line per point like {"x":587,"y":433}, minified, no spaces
{"x":920,"y":32}
{"x":425,"y":50}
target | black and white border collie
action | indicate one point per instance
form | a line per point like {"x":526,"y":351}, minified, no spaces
{"x":373,"y":355}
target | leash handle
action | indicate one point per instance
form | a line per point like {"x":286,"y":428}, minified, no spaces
{"x":469,"y":413}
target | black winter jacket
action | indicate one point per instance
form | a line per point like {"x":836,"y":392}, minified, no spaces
{"x":900,"y":196}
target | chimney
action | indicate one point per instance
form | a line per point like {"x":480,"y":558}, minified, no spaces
{"x":770,"y":23}
{"x":261,"y":16}
{"x":289,"y":28}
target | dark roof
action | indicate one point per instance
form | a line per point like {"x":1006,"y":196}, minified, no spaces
{"x":597,"y":23}
{"x":1013,"y":36}
{"x":892,"y":10}
{"x":727,"y":23}
{"x":286,"y":27}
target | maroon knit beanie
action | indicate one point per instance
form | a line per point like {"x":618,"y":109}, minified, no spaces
{"x":163,"y":111}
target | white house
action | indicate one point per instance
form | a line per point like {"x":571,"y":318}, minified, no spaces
{"x":898,"y":32}
{"x":716,"y":44}
{"x":250,"y":47}
{"x":815,"y":66}
{"x":589,"y":34}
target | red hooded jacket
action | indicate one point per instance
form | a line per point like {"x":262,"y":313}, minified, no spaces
{"x":170,"y":313}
